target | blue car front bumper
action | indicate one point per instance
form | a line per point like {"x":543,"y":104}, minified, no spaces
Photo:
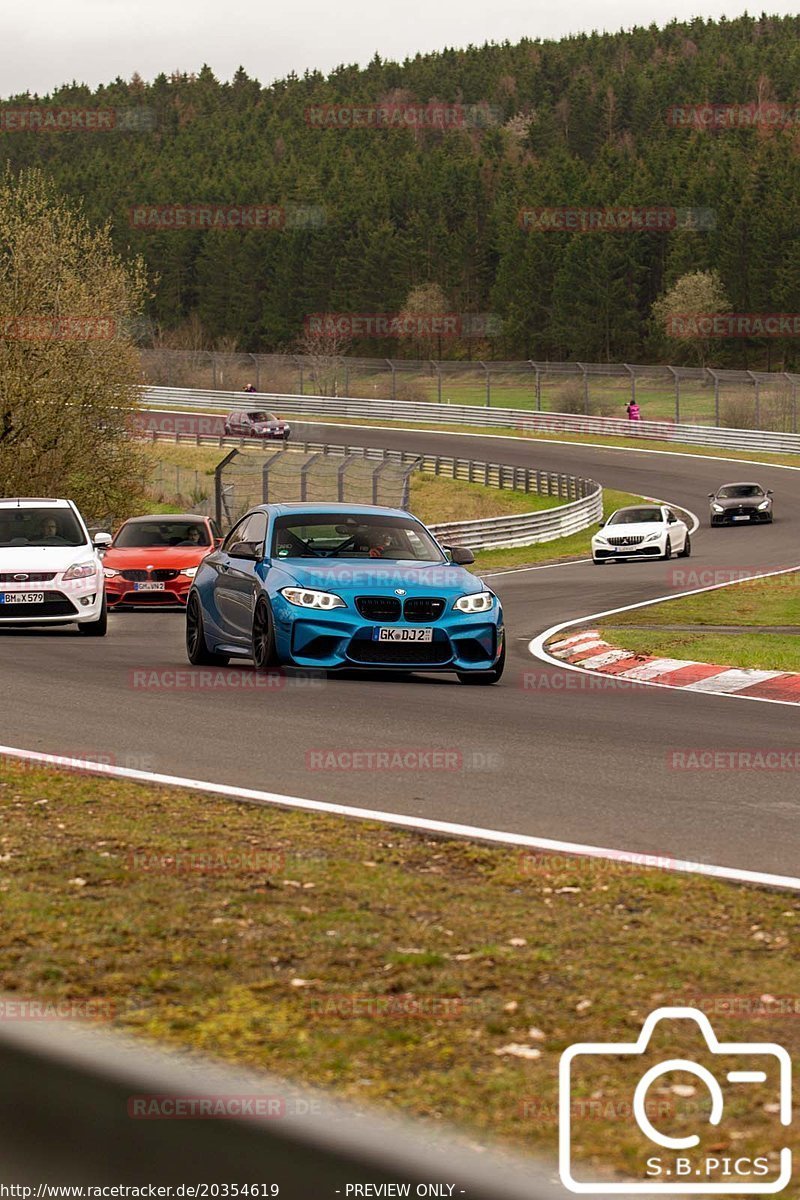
{"x":342,"y":639}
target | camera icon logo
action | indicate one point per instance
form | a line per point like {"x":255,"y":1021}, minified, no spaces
{"x":679,"y":1162}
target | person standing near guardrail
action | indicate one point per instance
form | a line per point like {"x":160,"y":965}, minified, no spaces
{"x":633,"y":411}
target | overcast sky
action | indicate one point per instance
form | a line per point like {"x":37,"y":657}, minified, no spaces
{"x":93,"y":41}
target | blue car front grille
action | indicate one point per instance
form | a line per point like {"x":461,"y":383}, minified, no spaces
{"x":379,"y":608}
{"x":423,"y":608}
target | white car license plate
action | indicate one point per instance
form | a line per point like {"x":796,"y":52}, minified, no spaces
{"x":402,"y":634}
{"x":745,"y":517}
{"x":22,"y":597}
{"x":149,"y":587}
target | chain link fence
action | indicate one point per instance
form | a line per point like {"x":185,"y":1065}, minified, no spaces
{"x":183,"y":487}
{"x":243,"y":480}
{"x":688,"y":395}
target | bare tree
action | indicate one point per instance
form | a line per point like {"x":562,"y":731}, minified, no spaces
{"x":69,"y":368}
{"x":324,"y":348}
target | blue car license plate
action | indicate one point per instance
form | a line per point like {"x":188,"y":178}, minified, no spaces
{"x":402,"y":633}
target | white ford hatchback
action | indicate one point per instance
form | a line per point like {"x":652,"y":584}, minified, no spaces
{"x":50,"y":570}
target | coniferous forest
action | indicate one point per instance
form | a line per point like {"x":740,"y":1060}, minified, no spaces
{"x":579,"y":122}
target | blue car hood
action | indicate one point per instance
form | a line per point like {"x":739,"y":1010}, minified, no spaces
{"x":360,"y":575}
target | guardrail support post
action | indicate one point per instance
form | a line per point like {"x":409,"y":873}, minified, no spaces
{"x":488,"y":384}
{"x":220,"y":467}
{"x":632,"y":374}
{"x":265,"y":466}
{"x":531,"y":363}
{"x":435,"y":366}
{"x":582,"y":368}
{"x":304,"y":475}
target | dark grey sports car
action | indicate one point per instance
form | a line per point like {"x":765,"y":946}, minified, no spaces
{"x":740,"y":502}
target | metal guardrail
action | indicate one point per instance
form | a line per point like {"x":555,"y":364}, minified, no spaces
{"x":465,"y":414}
{"x":585,"y":496}
{"x":68,"y":1116}
{"x":525,"y":529}
{"x":767,"y":398}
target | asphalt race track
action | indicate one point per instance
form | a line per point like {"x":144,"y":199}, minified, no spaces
{"x":584,"y":762}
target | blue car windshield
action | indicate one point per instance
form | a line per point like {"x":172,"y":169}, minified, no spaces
{"x":335,"y":535}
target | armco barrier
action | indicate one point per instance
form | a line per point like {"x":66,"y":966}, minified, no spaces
{"x":68,"y":1116}
{"x":525,"y":529}
{"x":465,"y":414}
{"x":585,"y":496}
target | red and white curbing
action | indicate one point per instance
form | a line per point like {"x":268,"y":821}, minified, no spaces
{"x":589,"y":651}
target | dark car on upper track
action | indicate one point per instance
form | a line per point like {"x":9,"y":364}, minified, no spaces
{"x":257,"y":425}
{"x":740,"y":502}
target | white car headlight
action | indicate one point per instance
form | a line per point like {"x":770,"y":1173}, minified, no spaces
{"x":309,"y":598}
{"x":477,"y":602}
{"x":189,"y":572}
{"x":81,"y":570}
{"x":109,"y":572}
{"x":717,"y":508}
{"x":653,"y":537}
{"x":764,"y":504}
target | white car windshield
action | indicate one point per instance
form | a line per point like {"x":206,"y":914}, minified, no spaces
{"x":40,"y":527}
{"x":636,"y":516}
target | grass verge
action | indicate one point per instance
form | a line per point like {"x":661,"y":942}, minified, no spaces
{"x":247,"y":933}
{"x":754,"y":602}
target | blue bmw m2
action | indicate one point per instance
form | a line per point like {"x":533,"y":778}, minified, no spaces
{"x":336,"y":586}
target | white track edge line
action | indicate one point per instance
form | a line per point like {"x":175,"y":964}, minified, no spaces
{"x":536,"y":646}
{"x":450,"y":828}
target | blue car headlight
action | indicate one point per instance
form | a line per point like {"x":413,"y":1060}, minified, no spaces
{"x":475,"y":603}
{"x":310,"y":598}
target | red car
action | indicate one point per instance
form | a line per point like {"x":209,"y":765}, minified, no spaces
{"x":152,"y":560}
